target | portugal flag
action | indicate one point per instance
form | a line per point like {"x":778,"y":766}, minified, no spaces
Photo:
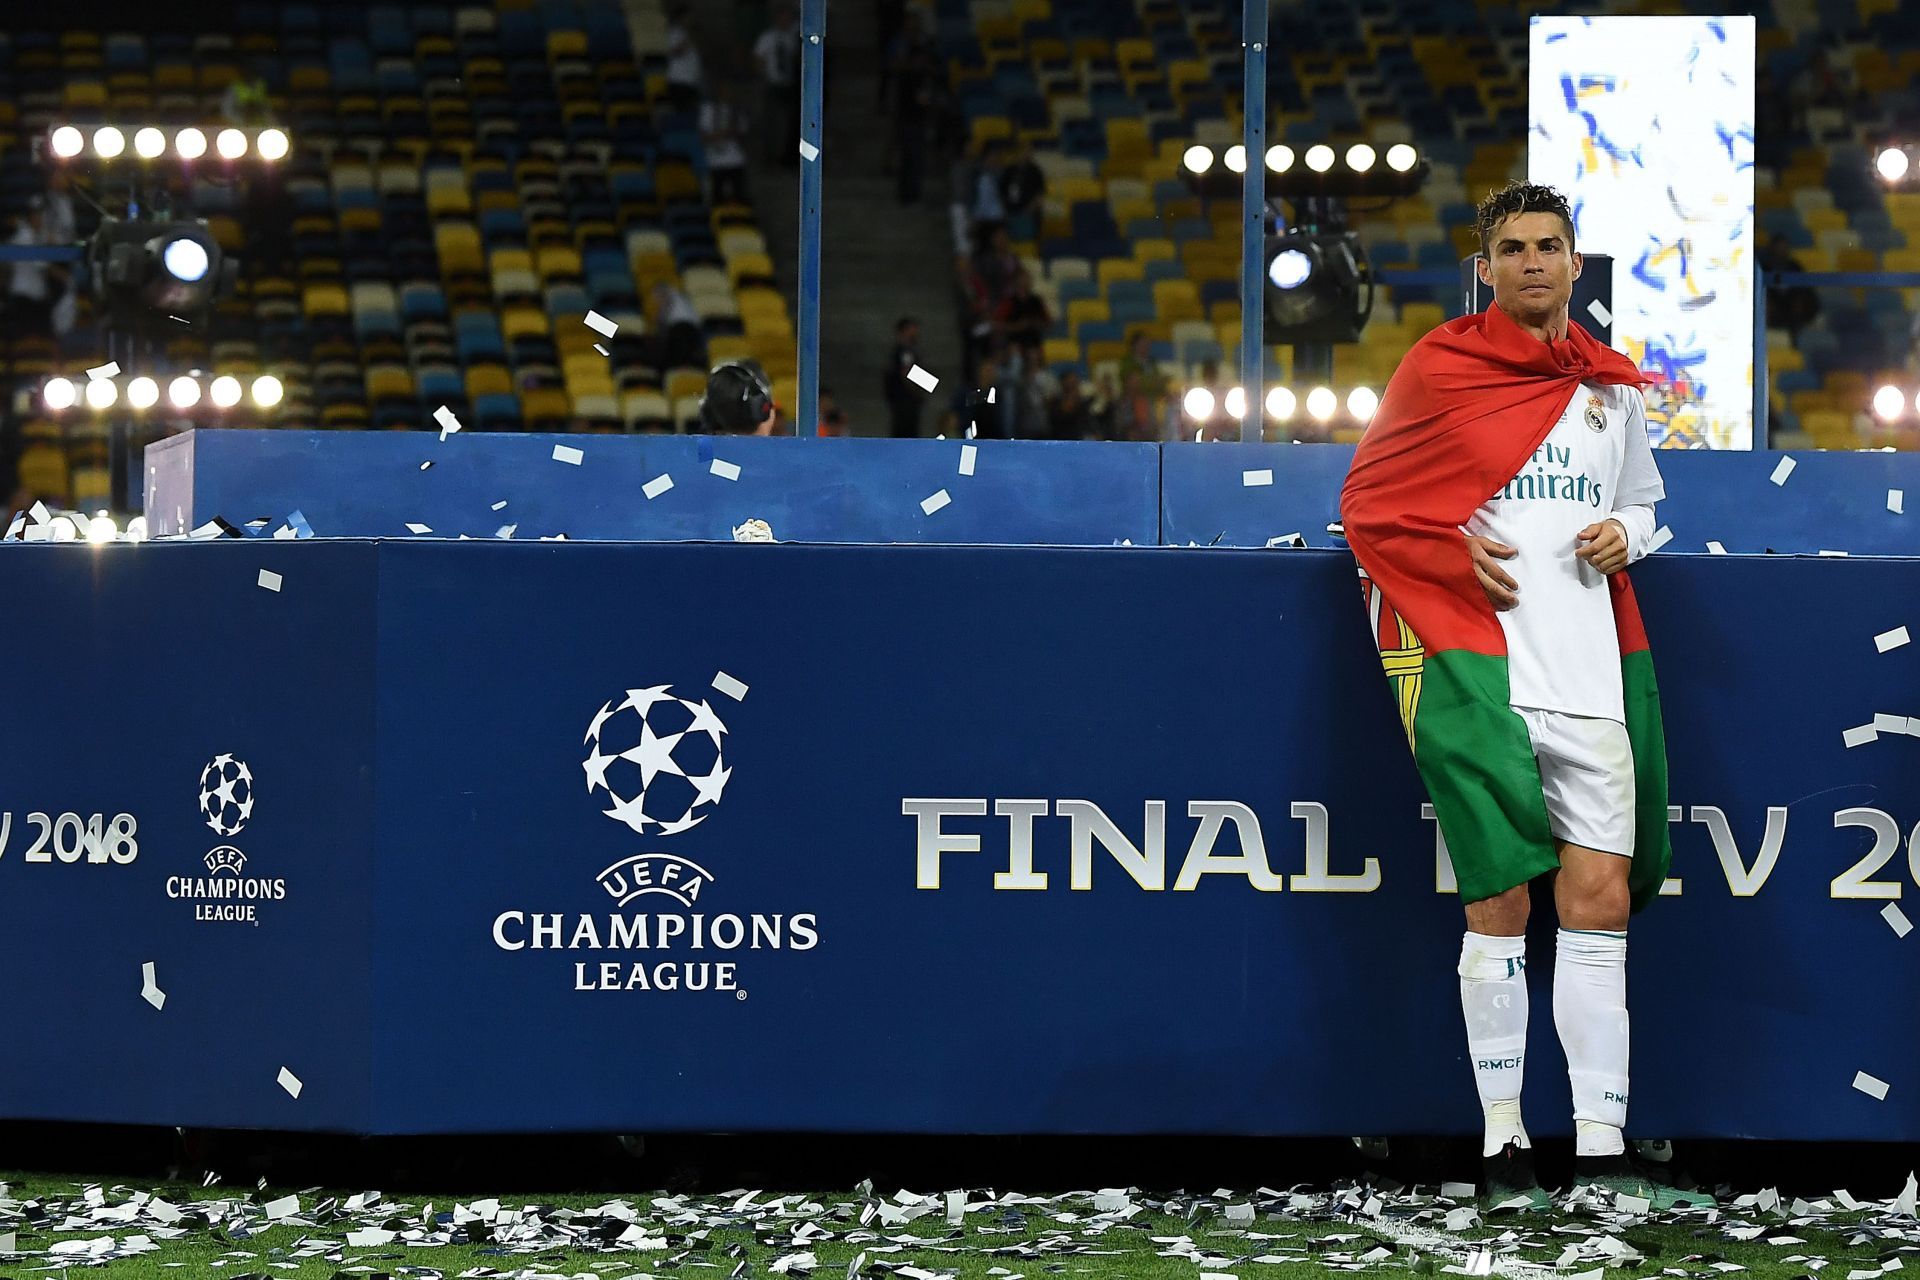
{"x":1468,"y":405}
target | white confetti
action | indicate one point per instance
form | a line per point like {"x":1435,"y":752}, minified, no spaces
{"x":568,"y":454}
{"x":922,"y":379}
{"x":290,"y":1082}
{"x":413,"y":527}
{"x":108,"y":370}
{"x":1255,"y":479}
{"x":658,"y":485}
{"x":808,"y":151}
{"x":1897,"y":501}
{"x":1870,"y":1086}
{"x":1833,"y":553}
{"x":1860,"y":735}
{"x":991,"y":391}
{"x":269,"y":579}
{"x":1782,"y":470}
{"x":724,"y":469}
{"x":150,"y":987}
{"x":505,"y":531}
{"x":1661,"y":537}
{"x":1891,"y":639}
{"x":369,"y":1237}
{"x":1883,"y":722}
{"x":448,"y":423}
{"x":1896,"y":920}
{"x":1598,"y":310}
{"x":1715,"y":549}
{"x":731,"y":686}
{"x":602,"y":350}
{"x":934,"y":503}
{"x":956,"y":1208}
{"x":601,"y":325}
{"x":500,"y":505}
{"x":425,"y":466}
{"x":968,"y":453}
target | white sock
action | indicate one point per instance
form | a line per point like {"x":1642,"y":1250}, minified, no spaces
{"x":1590,"y":1011}
{"x":1493,"y":994}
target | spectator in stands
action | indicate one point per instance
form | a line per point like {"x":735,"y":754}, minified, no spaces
{"x":1029,"y":399}
{"x":976,"y":307}
{"x":723,"y":126}
{"x":30,"y":290}
{"x":1069,"y":413}
{"x":1022,"y":183}
{"x":903,"y":398}
{"x":987,"y":406}
{"x":680,"y":340}
{"x":778,"y":53}
{"x":1136,"y":414}
{"x":1792,"y":308}
{"x":685,"y":76}
{"x":833,"y":419}
{"x":915,"y":71}
{"x":996,"y":263}
{"x":1024,"y":317}
{"x":1140,"y":361}
{"x":247,"y":103}
{"x":985,"y":207}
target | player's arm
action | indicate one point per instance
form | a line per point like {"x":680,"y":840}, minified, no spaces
{"x":1613,"y":543}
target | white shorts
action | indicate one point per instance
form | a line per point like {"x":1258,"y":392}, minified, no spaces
{"x":1586,"y":775}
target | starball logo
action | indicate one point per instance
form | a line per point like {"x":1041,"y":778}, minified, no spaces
{"x":226,"y":894}
{"x":657,"y":763}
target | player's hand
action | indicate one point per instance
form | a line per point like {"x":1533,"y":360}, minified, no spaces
{"x":1605,"y":546}
{"x":1499,"y":585}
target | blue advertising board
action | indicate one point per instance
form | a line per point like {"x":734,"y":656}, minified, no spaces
{"x":943,"y":839}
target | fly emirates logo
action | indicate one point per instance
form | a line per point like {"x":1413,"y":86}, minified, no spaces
{"x":1550,"y":477}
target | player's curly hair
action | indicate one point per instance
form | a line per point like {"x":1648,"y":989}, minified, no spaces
{"x":1520,"y":197}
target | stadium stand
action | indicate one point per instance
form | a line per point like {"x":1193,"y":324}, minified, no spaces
{"x":465,"y":184}
{"x":1110,"y":95}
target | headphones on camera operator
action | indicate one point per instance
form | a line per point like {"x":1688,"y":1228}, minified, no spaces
{"x":738,"y":399}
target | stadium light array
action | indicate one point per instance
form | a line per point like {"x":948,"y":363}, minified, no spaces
{"x":1319,"y":171}
{"x":148,"y":143}
{"x":1894,"y":165}
{"x":1323,"y":404}
{"x":189,"y":395}
{"x":1891,"y":403}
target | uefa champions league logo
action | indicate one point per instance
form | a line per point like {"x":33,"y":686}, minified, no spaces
{"x":226,"y":794}
{"x":658,"y":759}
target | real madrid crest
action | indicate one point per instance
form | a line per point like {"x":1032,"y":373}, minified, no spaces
{"x":1596,"y":419}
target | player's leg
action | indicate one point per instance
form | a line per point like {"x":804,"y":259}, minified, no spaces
{"x":1493,"y":996}
{"x":1586,"y":773}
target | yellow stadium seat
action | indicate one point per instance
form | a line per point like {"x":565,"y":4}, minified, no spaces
{"x":1086,"y":311}
{"x":1111,"y":269}
{"x":1060,"y":351}
{"x":488,"y":380}
{"x":1154,"y":250}
{"x":524,"y":322}
{"x":325,"y":300}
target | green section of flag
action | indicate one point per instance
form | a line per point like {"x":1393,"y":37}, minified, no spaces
{"x":1473,"y":751}
{"x":1652,"y":843}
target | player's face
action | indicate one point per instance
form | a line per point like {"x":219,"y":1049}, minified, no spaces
{"x":1531,"y":267}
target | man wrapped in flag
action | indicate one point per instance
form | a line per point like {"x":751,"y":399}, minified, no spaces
{"x":1494,"y":504}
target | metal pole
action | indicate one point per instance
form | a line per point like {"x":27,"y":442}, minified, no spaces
{"x":813,"y":52}
{"x":1761,"y":409}
{"x":1253,"y":217}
